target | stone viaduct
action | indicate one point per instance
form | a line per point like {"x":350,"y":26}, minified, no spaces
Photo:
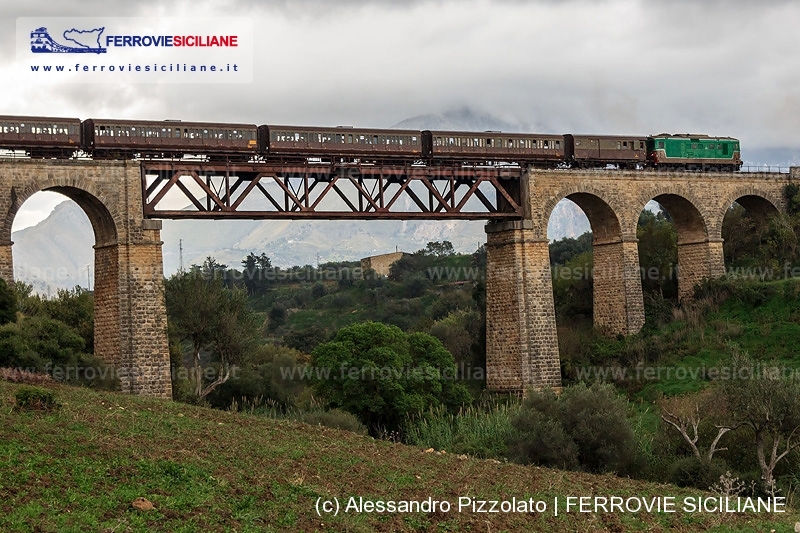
{"x":521,"y":341}
{"x":522,"y":346}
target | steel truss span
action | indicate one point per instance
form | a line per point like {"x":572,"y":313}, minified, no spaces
{"x":344,"y":191}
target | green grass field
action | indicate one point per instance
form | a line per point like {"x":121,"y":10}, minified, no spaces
{"x":80,"y":467}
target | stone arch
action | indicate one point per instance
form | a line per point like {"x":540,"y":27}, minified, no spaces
{"x":103,"y":223}
{"x":699,"y":240}
{"x":605,"y":216}
{"x":690,"y":216}
{"x":760,"y":207}
{"x":760,"y":204}
{"x":618,"y":306}
{"x":106,"y":263}
{"x":130,"y":316}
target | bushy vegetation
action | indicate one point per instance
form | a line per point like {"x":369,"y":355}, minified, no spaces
{"x":383,"y":375}
{"x":482,"y":430}
{"x":584,"y":427}
{"x":35,"y":399}
{"x":53,"y":336}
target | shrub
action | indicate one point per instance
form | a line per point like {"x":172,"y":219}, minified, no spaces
{"x":590,"y":422}
{"x":481,"y":431}
{"x":335,"y":418}
{"x":542,"y":440}
{"x":268,"y":374}
{"x":318,"y":290}
{"x":697,"y":473}
{"x":35,"y":399}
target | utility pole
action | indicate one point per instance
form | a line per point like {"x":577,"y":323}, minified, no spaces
{"x":180,"y":253}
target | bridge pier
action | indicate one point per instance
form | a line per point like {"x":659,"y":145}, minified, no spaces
{"x":6,"y":263}
{"x":521,"y":338}
{"x":698,"y":261}
{"x":130,"y":322}
{"x":618,"y":306}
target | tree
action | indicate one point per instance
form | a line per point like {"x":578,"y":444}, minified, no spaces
{"x":75,"y":308}
{"x":565,"y":249}
{"x":769,"y":404}
{"x":215,"y":322}
{"x":383,"y":375}
{"x":439,"y":249}
{"x":738,"y":230}
{"x":686,"y":414}
{"x":658,"y":253}
{"x":256,"y":273}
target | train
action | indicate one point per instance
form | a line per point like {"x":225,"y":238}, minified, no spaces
{"x":50,"y":137}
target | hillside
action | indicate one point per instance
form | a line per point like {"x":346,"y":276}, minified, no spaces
{"x":79,"y":469}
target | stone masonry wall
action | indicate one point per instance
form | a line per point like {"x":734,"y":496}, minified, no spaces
{"x":618,"y":304}
{"x":521,"y":340}
{"x":130,"y":315}
{"x":381,"y":264}
{"x":697,"y":262}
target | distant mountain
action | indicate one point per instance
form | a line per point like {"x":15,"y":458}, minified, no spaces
{"x":56,"y":252}
{"x":464,"y":119}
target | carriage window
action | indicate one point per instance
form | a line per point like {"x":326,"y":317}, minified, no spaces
{"x":545,"y":144}
{"x":535,"y":144}
{"x":641,"y":145}
{"x":558,"y":145}
{"x":349,"y":138}
{"x":625,"y":144}
{"x":710,"y":146}
{"x":438,"y":141}
{"x":661,"y":144}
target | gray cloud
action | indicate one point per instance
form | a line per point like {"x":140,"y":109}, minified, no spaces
{"x":615,"y":66}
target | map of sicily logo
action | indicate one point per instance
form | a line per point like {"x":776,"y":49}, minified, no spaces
{"x":84,"y":42}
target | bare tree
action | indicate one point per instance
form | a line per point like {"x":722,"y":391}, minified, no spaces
{"x":687,"y":413}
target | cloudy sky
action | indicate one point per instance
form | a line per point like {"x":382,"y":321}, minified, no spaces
{"x":726,"y":67}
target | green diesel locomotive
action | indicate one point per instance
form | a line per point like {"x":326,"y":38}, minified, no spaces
{"x":693,"y":152}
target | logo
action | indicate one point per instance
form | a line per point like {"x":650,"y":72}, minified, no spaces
{"x":87,"y":41}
